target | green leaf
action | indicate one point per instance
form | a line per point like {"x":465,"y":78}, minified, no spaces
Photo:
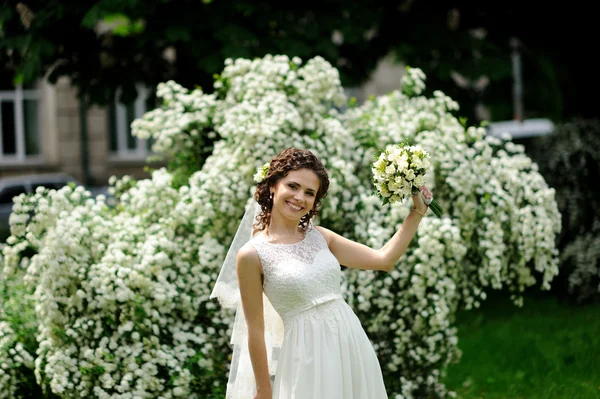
{"x":91,"y":18}
{"x":18,"y":79}
{"x":123,"y":26}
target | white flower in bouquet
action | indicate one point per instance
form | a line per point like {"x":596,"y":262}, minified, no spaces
{"x":399,"y":171}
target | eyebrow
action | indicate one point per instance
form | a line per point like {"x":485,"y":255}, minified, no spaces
{"x":298,"y":184}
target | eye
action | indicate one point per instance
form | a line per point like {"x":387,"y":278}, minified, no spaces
{"x":293,"y":186}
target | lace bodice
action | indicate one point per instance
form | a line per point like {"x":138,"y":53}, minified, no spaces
{"x":300,"y":275}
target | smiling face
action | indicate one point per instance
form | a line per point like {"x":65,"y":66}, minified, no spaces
{"x":294,"y":195}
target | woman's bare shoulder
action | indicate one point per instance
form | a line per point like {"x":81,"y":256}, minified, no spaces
{"x":247,"y":255}
{"x":326,"y":233}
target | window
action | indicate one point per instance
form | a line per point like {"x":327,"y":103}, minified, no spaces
{"x":19,"y":121}
{"x":122,"y":143}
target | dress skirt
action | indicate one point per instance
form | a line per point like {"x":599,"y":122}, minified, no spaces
{"x":326,"y":354}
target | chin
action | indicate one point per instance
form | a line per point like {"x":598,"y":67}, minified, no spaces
{"x":297,"y":215}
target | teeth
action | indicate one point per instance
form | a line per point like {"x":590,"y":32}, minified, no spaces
{"x":294,"y":207}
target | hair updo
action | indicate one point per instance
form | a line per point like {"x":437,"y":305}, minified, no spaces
{"x":279,"y":167}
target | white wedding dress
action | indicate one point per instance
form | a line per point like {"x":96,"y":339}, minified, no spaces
{"x":326,"y":353}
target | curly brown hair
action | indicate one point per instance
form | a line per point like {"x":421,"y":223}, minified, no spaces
{"x":279,"y":167}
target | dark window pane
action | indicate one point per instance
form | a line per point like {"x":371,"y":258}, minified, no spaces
{"x":8,"y":193}
{"x":131,"y":140}
{"x":6,"y":80}
{"x":31,"y":118}
{"x":9,"y":144}
{"x":151,"y":103}
{"x":112,"y":127}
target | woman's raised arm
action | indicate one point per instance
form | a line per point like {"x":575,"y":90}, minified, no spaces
{"x":353,"y":254}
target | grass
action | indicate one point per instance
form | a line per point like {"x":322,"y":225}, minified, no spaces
{"x":549,"y":349}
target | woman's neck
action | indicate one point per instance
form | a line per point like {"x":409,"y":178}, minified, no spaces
{"x":280,"y":226}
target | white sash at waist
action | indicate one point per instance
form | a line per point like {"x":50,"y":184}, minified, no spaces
{"x":313,"y":303}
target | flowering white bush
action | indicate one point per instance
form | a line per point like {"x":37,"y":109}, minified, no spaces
{"x":176,"y":124}
{"x":506,"y":213}
{"x":122,"y":293}
{"x":120,"y":313}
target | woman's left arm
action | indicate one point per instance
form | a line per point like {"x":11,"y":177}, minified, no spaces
{"x":355,"y":255}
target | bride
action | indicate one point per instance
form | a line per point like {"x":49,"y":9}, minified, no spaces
{"x":299,"y":338}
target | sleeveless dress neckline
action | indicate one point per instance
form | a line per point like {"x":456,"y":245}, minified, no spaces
{"x":308,"y":229}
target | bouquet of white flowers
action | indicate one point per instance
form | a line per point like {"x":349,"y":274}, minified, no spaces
{"x":399,"y":171}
